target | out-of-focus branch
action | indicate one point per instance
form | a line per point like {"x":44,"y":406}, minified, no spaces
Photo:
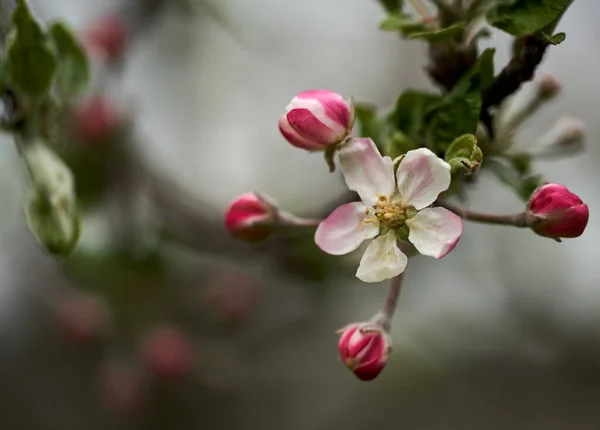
{"x":521,"y":68}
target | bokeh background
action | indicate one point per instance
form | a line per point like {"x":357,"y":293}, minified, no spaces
{"x":503,"y":333}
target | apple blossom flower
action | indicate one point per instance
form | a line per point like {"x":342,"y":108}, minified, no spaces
{"x":107,"y":37}
{"x":248,"y":217}
{"x":317,"y":119}
{"x":95,"y":119}
{"x":364,"y":348}
{"x":392,"y":207}
{"x":554,"y":211}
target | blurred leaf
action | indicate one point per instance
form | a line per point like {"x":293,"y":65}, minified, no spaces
{"x":31,"y":60}
{"x":509,"y":175}
{"x":403,"y":23}
{"x":51,"y":209}
{"x":439,"y":35}
{"x":73,"y":68}
{"x":458,"y":112}
{"x":557,"y":39}
{"x":397,"y":144}
{"x":409,"y":114}
{"x":521,"y":17}
{"x":463,"y":152}
{"x":369,"y":123}
{"x":392,"y":5}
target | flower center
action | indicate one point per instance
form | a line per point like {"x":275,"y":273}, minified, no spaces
{"x":389,"y":213}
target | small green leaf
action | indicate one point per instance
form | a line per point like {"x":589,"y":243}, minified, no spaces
{"x":369,"y":123}
{"x":31,"y":61}
{"x":439,"y":35}
{"x":397,"y":144}
{"x":73,"y":68}
{"x":522,"y":185}
{"x":51,"y":209}
{"x":403,"y":23}
{"x":521,"y":17}
{"x":463,"y":152}
{"x":557,"y":39}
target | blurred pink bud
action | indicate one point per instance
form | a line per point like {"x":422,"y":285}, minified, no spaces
{"x":121,"y":386}
{"x":549,"y":86}
{"x":232,"y":296}
{"x":364,"y":348}
{"x":82,"y":318}
{"x":107,"y":37}
{"x":95,"y":119}
{"x":554,"y":211}
{"x":317,"y":119}
{"x":168,"y":352}
{"x":249,"y":217}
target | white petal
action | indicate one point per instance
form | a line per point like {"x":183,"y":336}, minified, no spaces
{"x":345,"y":229}
{"x":434,"y":231}
{"x":421,"y":177}
{"x":366,"y":171}
{"x":382,"y":259}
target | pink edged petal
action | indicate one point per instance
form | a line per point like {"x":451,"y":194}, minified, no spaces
{"x":366,"y":171}
{"x":435,"y":231}
{"x":345,"y":229}
{"x":382,"y":259}
{"x":312,"y":125}
{"x":421,"y":177}
{"x":295,"y":139}
{"x":334,"y":106}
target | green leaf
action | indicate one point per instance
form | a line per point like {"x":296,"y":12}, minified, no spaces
{"x":403,"y":23}
{"x":409,"y":114}
{"x":51,"y":209}
{"x":521,"y":17}
{"x":391,"y":5}
{"x":522,"y":185}
{"x":31,"y":61}
{"x":557,"y":39}
{"x":458,"y":112}
{"x":397,"y":144}
{"x":440,"y":35}
{"x":73,"y":68}
{"x":369,"y":123}
{"x":463,"y":152}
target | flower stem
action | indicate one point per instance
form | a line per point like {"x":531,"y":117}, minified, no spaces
{"x":516,"y":220}
{"x":384,"y":318}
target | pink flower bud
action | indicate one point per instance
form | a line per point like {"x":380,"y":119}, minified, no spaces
{"x":82,"y":318}
{"x":248,"y":217}
{"x":364,"y":349}
{"x":168,"y":353}
{"x":95,"y":119}
{"x":554,"y":211}
{"x":317,"y":119}
{"x":107,"y":37}
{"x":549,"y":86}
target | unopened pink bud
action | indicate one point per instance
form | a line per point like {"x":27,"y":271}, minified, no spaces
{"x":364,"y":348}
{"x":82,"y":318}
{"x":95,"y":119}
{"x":549,"y":86}
{"x":107,"y":37}
{"x":554,"y":211}
{"x":317,"y":119}
{"x":168,"y":353}
{"x":248,"y":217}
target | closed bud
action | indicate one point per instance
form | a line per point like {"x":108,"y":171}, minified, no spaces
{"x":250,"y":216}
{"x":95,"y":119}
{"x":549,"y":86}
{"x":364,"y":348}
{"x":553,"y":211}
{"x":82,"y":318}
{"x":168,"y":353}
{"x":107,"y":37}
{"x":318,"y":119}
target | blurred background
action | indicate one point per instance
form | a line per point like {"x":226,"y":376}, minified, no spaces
{"x":188,"y":329}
